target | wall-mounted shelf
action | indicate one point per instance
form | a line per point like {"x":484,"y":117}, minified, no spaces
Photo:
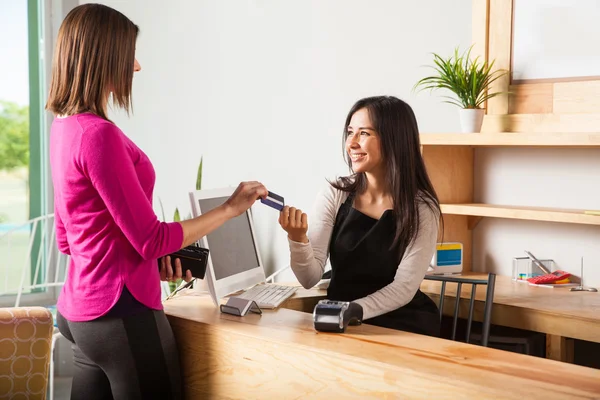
{"x":450,"y":162}
{"x":526,"y":213}
{"x":510,"y":139}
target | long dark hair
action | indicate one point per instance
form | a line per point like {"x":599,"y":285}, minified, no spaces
{"x":405,"y":172}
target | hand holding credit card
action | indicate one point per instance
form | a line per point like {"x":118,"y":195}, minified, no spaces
{"x":292,"y":220}
{"x":274,"y":200}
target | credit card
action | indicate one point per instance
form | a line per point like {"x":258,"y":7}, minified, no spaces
{"x":273,"y":200}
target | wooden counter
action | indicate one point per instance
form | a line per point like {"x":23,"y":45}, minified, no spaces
{"x":279,"y":355}
{"x":561,"y":314}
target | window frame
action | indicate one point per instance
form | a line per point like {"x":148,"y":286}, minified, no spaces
{"x":40,"y":190}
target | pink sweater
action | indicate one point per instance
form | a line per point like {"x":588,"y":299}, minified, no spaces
{"x":103,"y":187}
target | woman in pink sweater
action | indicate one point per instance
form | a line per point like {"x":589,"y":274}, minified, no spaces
{"x":110,"y":307}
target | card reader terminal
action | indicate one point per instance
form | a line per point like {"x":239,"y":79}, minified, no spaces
{"x":335,"y":316}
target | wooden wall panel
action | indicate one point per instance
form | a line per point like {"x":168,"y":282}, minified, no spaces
{"x":531,"y":98}
{"x":480,"y":28}
{"x":534,"y":107}
{"x":542,"y":123}
{"x":500,"y":37}
{"x":451,"y":172}
{"x":577,"y":97}
{"x":480,"y":32}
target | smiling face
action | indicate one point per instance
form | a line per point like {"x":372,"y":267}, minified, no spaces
{"x":363,"y":144}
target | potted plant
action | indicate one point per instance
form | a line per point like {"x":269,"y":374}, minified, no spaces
{"x":177,"y":217}
{"x":469,"y":80}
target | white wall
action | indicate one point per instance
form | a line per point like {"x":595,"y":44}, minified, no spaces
{"x":261,"y":88}
{"x":557,"y":178}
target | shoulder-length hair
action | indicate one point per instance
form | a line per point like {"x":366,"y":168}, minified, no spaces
{"x":405,"y":172}
{"x":94,"y":56}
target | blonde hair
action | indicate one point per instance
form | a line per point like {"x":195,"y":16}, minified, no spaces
{"x":94,"y":55}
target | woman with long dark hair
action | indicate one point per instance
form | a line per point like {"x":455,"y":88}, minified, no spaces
{"x":378,"y":226}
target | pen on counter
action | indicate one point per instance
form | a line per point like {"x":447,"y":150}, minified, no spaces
{"x":537,"y":262}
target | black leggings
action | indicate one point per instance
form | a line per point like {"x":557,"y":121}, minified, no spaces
{"x":131,"y":357}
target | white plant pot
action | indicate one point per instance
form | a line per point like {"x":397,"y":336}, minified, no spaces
{"x":471,"y":119}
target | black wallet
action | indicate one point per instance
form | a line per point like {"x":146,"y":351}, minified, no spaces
{"x":193,"y":258}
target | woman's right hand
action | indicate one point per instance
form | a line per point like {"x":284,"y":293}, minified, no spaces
{"x":244,"y":197}
{"x":170,"y":273}
{"x":295,"y":223}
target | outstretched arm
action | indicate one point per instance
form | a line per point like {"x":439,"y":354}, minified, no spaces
{"x":309,"y":252}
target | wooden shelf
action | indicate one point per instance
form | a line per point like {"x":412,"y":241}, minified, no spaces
{"x":526,"y":213}
{"x":509,"y":139}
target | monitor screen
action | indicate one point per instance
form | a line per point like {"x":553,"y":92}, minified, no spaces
{"x":232,"y":247}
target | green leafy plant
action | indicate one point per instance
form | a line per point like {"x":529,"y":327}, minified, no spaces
{"x":199,"y":175}
{"x":468,"y":79}
{"x":162,"y":210}
{"x":177,"y":216}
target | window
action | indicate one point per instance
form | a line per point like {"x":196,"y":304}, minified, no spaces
{"x":23,"y":154}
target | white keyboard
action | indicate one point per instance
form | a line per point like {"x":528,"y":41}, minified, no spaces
{"x":268,"y":295}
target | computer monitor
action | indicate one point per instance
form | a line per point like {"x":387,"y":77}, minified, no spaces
{"x":234,"y":261}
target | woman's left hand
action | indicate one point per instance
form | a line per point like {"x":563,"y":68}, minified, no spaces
{"x":295,"y":223}
{"x":168,"y":273}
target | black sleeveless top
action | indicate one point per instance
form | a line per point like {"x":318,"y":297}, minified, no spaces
{"x":363,"y":263}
